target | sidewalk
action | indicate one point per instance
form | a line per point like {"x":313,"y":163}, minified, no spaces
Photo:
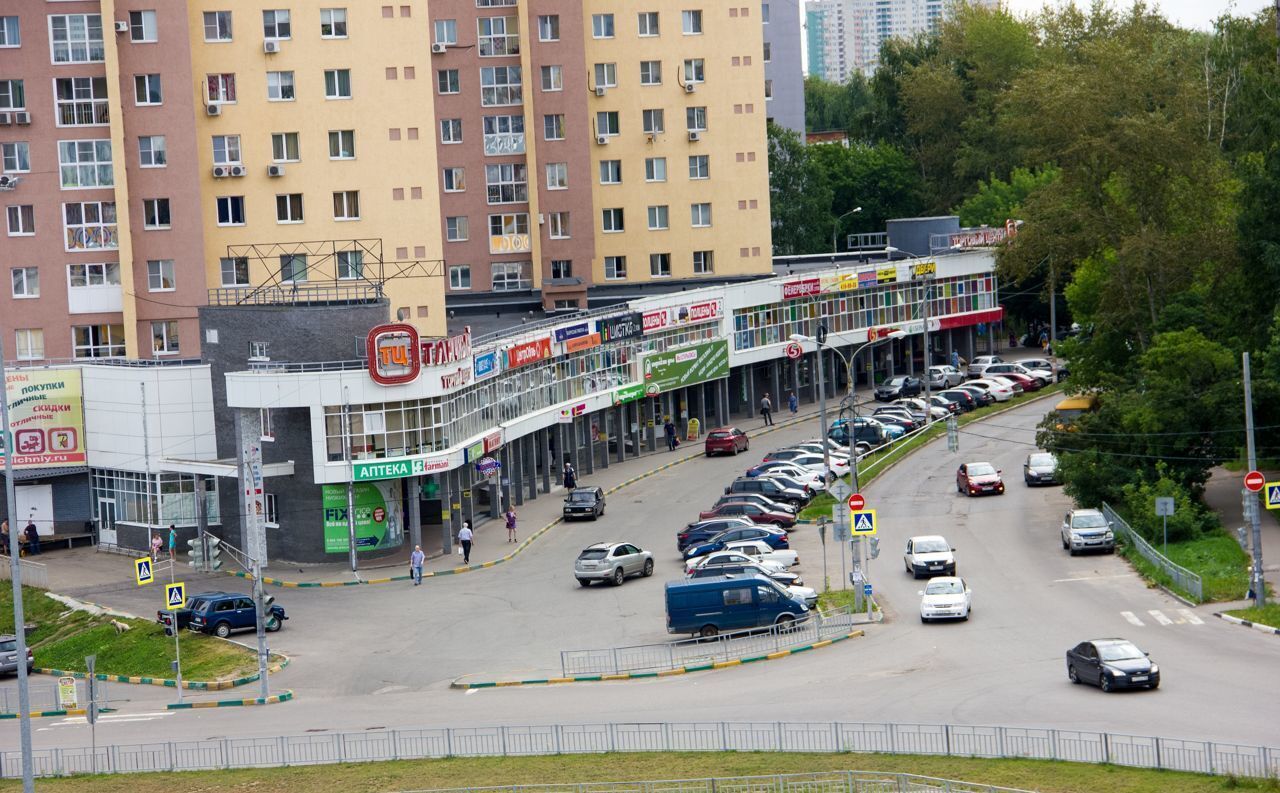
{"x":1222,"y":495}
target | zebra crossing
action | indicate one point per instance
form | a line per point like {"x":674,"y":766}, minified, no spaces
{"x":1160,"y":618}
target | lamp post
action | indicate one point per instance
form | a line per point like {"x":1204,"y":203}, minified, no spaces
{"x":835,"y":228}
{"x":925,"y":279}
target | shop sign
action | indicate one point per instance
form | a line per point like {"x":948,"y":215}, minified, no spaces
{"x":582,"y":343}
{"x":397,"y":354}
{"x":486,"y":364}
{"x":487,"y":467}
{"x":529,"y":352}
{"x":371,"y":470}
{"x":847,"y":282}
{"x":474,"y":452}
{"x":867,"y":278}
{"x":46,"y":418}
{"x":567,"y":415}
{"x":705,"y":311}
{"x":492,"y":441}
{"x":806,"y":287}
{"x":924,"y":269}
{"x":378,"y":517}
{"x":666,"y":371}
{"x":629,"y":393}
{"x":624,"y":326}
{"x":985,"y":237}
{"x":438,"y":352}
{"x":571,"y":332}
{"x":886,"y":275}
{"x":456,"y":378}
{"x":656,"y":320}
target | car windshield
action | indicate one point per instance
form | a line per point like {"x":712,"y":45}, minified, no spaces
{"x":1088,"y":522}
{"x":582,"y":496}
{"x":944,"y":588}
{"x":594,"y":553}
{"x":981,"y":469}
{"x":8,"y":645}
{"x":1119,"y":651}
{"x":1042,"y":460}
{"x":717,"y":436}
{"x":931,"y":546}
{"x":896,"y":380}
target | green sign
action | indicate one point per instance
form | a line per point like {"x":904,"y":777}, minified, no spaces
{"x":371,"y":470}
{"x":666,"y":371}
{"x":628,"y":394}
{"x":378,"y":516}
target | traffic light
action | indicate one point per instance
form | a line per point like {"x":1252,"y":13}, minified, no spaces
{"x":197,"y":552}
{"x":167,"y":621}
{"x":875,"y":547}
{"x":267,"y":600}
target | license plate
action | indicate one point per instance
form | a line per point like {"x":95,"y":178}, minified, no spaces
{"x":935,"y":567}
{"x":1139,"y":678}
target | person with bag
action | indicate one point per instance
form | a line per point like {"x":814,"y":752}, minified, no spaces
{"x":669,"y":430}
{"x":570,"y":476}
{"x":415,"y":564}
{"x":464,"y":538}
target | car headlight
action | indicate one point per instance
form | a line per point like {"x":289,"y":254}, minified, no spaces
{"x":1155,"y":669}
{"x":1109,"y":536}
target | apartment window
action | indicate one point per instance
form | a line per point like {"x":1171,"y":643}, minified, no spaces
{"x":22,"y":220}
{"x":648,"y":23}
{"x":768,"y":89}
{"x":289,"y":208}
{"x":259,"y":351}
{"x":151,"y":151}
{"x":284,"y":147}
{"x":10,"y":32}
{"x":699,"y":166}
{"x":275,"y":24}
{"x":700,"y":215}
{"x":660,"y":265}
{"x":26,"y":281}
{"x":226,"y":149}
{"x":611,"y":172}
{"x":506,"y":183}
{"x":549,"y":27}
{"x":607,"y":122}
{"x":146,"y":89}
{"x":342,"y":144}
{"x":14,"y":97}
{"x":221,"y":88}
{"x":272,"y":509}
{"x":83,"y":276}
{"x":77,"y":38}
{"x":553,"y":126}
{"x":557,"y":176}
{"x":764,"y":13}
{"x":658,"y":220}
{"x":85,"y":163}
{"x":509,"y":276}
{"x":160,"y":275}
{"x":606,"y":75}
{"x":155,"y":213}
{"x":346,"y":205}
{"x":451,"y":130}
{"x":498,"y":36}
{"x":30,"y":344}
{"x":80,"y":101}
{"x":446,"y":31}
{"x":350,"y":264}
{"x":217,"y":26}
{"x":703,"y":262}
{"x":615,"y":268}
{"x":457,"y":229}
{"x":655,"y":169}
{"x":142,"y":27}
{"x":691,"y":22}
{"x":230,"y":210}
{"x":602,"y":26}
{"x":90,"y":225}
{"x":561,"y":268}
{"x":447,"y":81}
{"x":280,"y":87}
{"x":97,"y":341}
{"x":500,"y":85}
{"x":235,"y":270}
{"x":651,"y":72}
{"x":552,"y":78}
{"x":337,"y":83}
{"x":558,"y":225}
{"x":768,"y":51}
{"x":164,"y":337}
{"x":460,"y":276}
{"x":454,"y":180}
{"x":494,"y":3}
{"x":293,"y":268}
{"x":15,"y":157}
{"x":653,"y":121}
{"x":333,"y":23}
{"x":696,"y":119}
{"x":693,"y":71}
{"x":612,"y":220}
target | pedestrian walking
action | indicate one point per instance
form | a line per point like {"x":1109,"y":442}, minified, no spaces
{"x":669,"y":430}
{"x":464,"y":537}
{"x":415,"y":564}
{"x":156,"y":545}
{"x":511,"y":523}
{"x":33,"y":537}
{"x":570,"y":476}
{"x":792,"y":403}
{"x":4,"y":537}
{"x":766,"y":409}
{"x":173,"y":540}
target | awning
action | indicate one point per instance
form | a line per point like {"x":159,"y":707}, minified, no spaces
{"x":23,"y":474}
{"x":225,"y":468}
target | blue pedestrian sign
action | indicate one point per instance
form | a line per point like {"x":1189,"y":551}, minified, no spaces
{"x":864,"y":522}
{"x":866,"y":590}
{"x":175,"y":596}
{"x":1273,"y":495}
{"x":142,"y":570}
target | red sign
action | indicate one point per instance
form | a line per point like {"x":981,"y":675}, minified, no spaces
{"x":857,"y":502}
{"x":794,"y":350}
{"x":529,"y":352}
{"x":396,"y":354}
{"x":804,"y":288}
{"x":582,"y":343}
{"x":492,"y":441}
{"x":701,"y":312}
{"x":655,"y":320}
{"x":1254,"y":481}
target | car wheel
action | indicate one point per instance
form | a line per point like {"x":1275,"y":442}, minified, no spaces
{"x":1072,"y":551}
{"x":1104,"y":683}
{"x":1065,"y":546}
{"x":708,"y":631}
{"x":1154,"y":685}
{"x":1072,"y":675}
{"x":618,"y":577}
{"x":924,"y":619}
{"x":648,"y":568}
{"x":273,"y":624}
{"x":222,"y":631}
{"x":583,"y":582}
{"x":786,"y":623}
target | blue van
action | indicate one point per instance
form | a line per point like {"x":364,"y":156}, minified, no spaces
{"x":708,"y":606}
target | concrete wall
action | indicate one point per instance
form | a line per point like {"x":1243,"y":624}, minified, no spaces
{"x":785,"y":68}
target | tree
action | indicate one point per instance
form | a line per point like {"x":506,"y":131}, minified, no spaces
{"x":799,"y":195}
{"x":997,"y":201}
{"x":879,"y":178}
{"x":832,"y":106}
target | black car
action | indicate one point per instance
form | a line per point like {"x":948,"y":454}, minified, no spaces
{"x":963,"y":399}
{"x":584,"y":502}
{"x":899,"y":386}
{"x":1040,"y":468}
{"x":701,"y":531}
{"x":1111,"y":664}
{"x":770,"y":488}
{"x":981,"y":395}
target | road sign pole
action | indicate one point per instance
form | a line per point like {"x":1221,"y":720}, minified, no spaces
{"x":822,"y":535}
{"x":1259,"y":587}
{"x":177,"y":648}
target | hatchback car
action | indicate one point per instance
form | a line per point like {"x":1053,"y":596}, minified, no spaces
{"x":974,"y":479}
{"x":1040,"y":468}
{"x":584,"y":502}
{"x":929,"y":555}
{"x":752,"y":512}
{"x":1087,"y":530}
{"x":612,"y":562}
{"x":1111,"y":664}
{"x":963,"y":399}
{"x":899,"y":386}
{"x":979,"y":364}
{"x":222,"y":613}
{"x":944,"y":376}
{"x":946,"y":598}
{"x":726,"y":440}
{"x":9,"y":655}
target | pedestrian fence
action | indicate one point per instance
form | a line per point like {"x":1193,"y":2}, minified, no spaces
{"x":950,"y":740}
{"x":722,"y":647}
{"x":1182,"y":578}
{"x":34,"y":574}
{"x":41,"y":696}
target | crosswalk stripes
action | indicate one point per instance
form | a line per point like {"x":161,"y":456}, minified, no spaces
{"x":1181,"y":617}
{"x":1160,"y":617}
{"x":1190,"y":616}
{"x":1132,"y":618}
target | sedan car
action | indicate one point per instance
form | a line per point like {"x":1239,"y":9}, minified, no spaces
{"x":752,"y":512}
{"x":726,"y":440}
{"x":1087,"y":530}
{"x":755,"y":549}
{"x":815,"y":462}
{"x":9,"y":655}
{"x":771,"y":489}
{"x":980,"y":394}
{"x":584,"y":502}
{"x":784,"y":468}
{"x":731,"y":558}
{"x":999,"y":391}
{"x":929,"y":555}
{"x":944,"y":376}
{"x":700,"y":531}
{"x":974,"y":479}
{"x":734,"y":563}
{"x":771,"y":536}
{"x":1040,"y":468}
{"x":979,"y":364}
{"x":1026,"y":382}
{"x":612,"y":562}
{"x":1045,"y":375}
{"x":1061,"y":368}
{"x":946,"y":597}
{"x":898,"y":386}
{"x":945,"y":404}
{"x":1111,"y":664}
{"x":917,"y":405}
{"x":759,"y":499}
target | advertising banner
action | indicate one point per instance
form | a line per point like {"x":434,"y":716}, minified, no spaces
{"x":628,"y":393}
{"x":571,"y":332}
{"x":529,"y":352}
{"x":371,"y":470}
{"x":378,"y":516}
{"x":626,"y":326}
{"x":582,"y":343}
{"x":806,"y":287}
{"x":46,"y":418}
{"x":486,"y":365}
{"x":665,"y":371}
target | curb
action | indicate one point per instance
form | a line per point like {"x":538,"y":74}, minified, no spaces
{"x":37,"y":714}
{"x":197,"y":685}
{"x":1247,"y":623}
{"x":459,"y":684}
{"x":283,"y":696}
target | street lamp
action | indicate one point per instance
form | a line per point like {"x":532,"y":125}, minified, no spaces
{"x":835,"y":229}
{"x":928,"y":345}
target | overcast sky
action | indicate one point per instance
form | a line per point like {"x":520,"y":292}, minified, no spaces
{"x":1188,"y":13}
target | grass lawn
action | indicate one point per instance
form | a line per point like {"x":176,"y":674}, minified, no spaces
{"x":62,"y":638}
{"x":1217,"y":558}
{"x":1042,"y":775}
{"x":1267,"y":615}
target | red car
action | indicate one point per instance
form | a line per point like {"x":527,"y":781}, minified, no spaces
{"x":727,"y":440}
{"x":751,"y":512}
{"x":974,"y":479}
{"x":1027,"y":382}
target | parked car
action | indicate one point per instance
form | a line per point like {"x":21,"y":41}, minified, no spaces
{"x":707,"y":606}
{"x":816,"y":462}
{"x":945,"y":597}
{"x":758,"y":550}
{"x":1111,"y":664}
{"x":863,"y":437}
{"x":768,"y":487}
{"x":891,"y":429}
{"x":811,"y":483}
{"x":770,"y":535}
{"x":758,"y":499}
{"x":945,"y":404}
{"x":774,"y":468}
{"x":893,"y":420}
{"x":1060,"y":368}
{"x":963,"y":399}
{"x":974,"y":479}
{"x":980,"y":394}
{"x":700,"y":531}
{"x":929,"y":555}
{"x":944,"y":376}
{"x":752,"y":512}
{"x":784,"y":455}
{"x":1040,"y":468}
{"x":1006,"y":381}
{"x":726,"y":440}
{"x":917,"y":405}
{"x":1045,"y":376}
{"x":999,"y":391}
{"x":223,"y":613}
{"x":898,"y":386}
{"x":732,"y":557}
{"x":9,"y":655}
{"x":612,"y":562}
{"x":584,"y":502}
{"x":1087,"y":530}
{"x":979,"y":364}
{"x":1026,"y":382}
{"x":723,"y":564}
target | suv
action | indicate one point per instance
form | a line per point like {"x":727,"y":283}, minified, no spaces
{"x":584,"y":502}
{"x":612,"y":562}
{"x":221,"y":613}
{"x":9,"y":655}
{"x":1087,"y":530}
{"x":770,"y":488}
{"x":899,"y":386}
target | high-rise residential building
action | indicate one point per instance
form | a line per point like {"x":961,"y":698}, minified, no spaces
{"x":827,"y":23}
{"x":783,"y":63}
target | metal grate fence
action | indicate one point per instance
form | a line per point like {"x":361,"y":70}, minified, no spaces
{"x":1182,"y":578}
{"x":822,"y":782}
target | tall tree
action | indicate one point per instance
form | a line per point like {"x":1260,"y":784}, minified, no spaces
{"x":799,"y":195}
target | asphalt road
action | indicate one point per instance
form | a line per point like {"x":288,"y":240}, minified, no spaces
{"x":382,"y":656}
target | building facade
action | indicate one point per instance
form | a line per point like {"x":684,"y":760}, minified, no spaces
{"x":784,"y":64}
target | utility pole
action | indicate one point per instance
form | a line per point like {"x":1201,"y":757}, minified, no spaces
{"x":821,"y":337}
{"x":1053,"y":313}
{"x":1259,"y":586}
{"x":928,"y":355}
{"x":351,"y":476}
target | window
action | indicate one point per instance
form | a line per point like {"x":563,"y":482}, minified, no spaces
{"x":97,"y":341}
{"x":606,"y":75}
{"x":272,"y":508}
{"x":81,"y":101}
{"x":235,"y":270}
{"x":655,"y":169}
{"x":26,"y":281}
{"x":90,"y":225}
{"x":696,"y":119}
{"x":506,"y":183}
{"x":155,"y":213}
{"x":558,"y":225}
{"x":611,"y":172}
{"x":151,"y":151}
{"x":612,"y":220}
{"x":284,"y":147}
{"x":230,"y":210}
{"x":226,"y":149}
{"x":457,"y":229}
{"x":346,"y":205}
{"x":615,"y":267}
{"x":275,"y":24}
{"x":552,"y":78}
{"x":607,"y":122}
{"x":293,"y":267}
{"x":22,"y":220}
{"x":498,"y":36}
{"x":648,"y":23}
{"x":691,"y":22}
{"x":289,"y":208}
{"x":164,"y":337}
{"x":553,"y":126}
{"x":259,"y":351}
{"x":699,"y":166}
{"x":85,"y":163}
{"x":653,"y":121}
{"x":333,"y":23}
{"x":14,"y":97}
{"x":557,"y":176}
{"x":146,"y":89}
{"x":160,"y":275}
{"x":602,"y":26}
{"x":500,"y":85}
{"x":460,"y":276}
{"x":77,"y":38}
{"x":764,"y":13}
{"x":447,"y":81}
{"x":280,"y":87}
{"x":454,"y":180}
{"x":337,"y":83}
{"x":142,"y":27}
{"x":446,"y":31}
{"x":30,"y":344}
{"x":221,"y":88}
{"x":693,"y":71}
{"x":658,"y":220}
{"x":509,"y":276}
{"x":700,"y":215}
{"x":15,"y":157}
{"x":562,"y":268}
{"x":503,"y":135}
{"x":350,"y":264}
{"x":651,"y":72}
{"x":342,"y":144}
{"x":451,"y":130}
{"x":217,"y":26}
{"x":10,"y":32}
{"x":703,"y":262}
{"x":660,"y":265}
{"x":768,"y":89}
{"x":549,"y":27}
{"x":767,"y":52}
{"x":83,"y":276}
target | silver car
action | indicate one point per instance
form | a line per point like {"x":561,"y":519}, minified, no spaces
{"x":944,"y":377}
{"x":9,"y":655}
{"x":1087,"y":530}
{"x":612,"y":562}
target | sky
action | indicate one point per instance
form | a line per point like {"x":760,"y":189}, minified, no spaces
{"x":1187,"y":13}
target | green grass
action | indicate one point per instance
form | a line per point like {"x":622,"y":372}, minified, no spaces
{"x":1217,"y":558}
{"x":840,"y":598}
{"x":1042,"y":775}
{"x":62,"y":638}
{"x":1267,"y":615}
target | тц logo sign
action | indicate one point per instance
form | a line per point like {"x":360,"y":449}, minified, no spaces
{"x":394,"y":354}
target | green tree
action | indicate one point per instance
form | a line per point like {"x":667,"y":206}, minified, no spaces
{"x":799,"y":195}
{"x":833,"y":106}
{"x":997,"y":200}
{"x":879,"y":178}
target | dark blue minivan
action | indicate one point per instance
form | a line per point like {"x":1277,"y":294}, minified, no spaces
{"x":708,"y":606}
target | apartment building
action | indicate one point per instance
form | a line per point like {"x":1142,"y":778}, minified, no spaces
{"x":783,"y":63}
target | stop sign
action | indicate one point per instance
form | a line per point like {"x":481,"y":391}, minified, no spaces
{"x":857,"y":502}
{"x":1253,"y":481}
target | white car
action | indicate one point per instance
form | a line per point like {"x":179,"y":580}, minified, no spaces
{"x":762,"y":551}
{"x":802,"y":475}
{"x":816,"y":448}
{"x":946,"y":598}
{"x":944,"y":377}
{"x":998,"y":389}
{"x":733,"y":558}
{"x":814,"y":462}
{"x":916,"y":404}
{"x":979,"y":364}
{"x":1045,"y":376}
{"x":929,"y":555}
{"x":808,"y":594}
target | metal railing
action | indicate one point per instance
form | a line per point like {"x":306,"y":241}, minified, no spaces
{"x":1182,"y":578}
{"x":304,"y":366}
{"x":34,"y":574}
{"x":42,"y":696}
{"x":1139,"y":751}
{"x":719,"y":648}
{"x":548,"y":322}
{"x":291,"y":294}
{"x":822,"y":782}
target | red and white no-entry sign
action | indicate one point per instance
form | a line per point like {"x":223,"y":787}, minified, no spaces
{"x":857,"y":502}
{"x":794,"y":350}
{"x":1253,"y":481}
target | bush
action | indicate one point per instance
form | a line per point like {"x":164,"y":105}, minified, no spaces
{"x":1190,"y":519}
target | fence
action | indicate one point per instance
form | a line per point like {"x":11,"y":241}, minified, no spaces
{"x":1182,"y":578}
{"x":43,"y":696}
{"x":33,"y":574}
{"x":1205,"y":757}
{"x":723,"y":647}
{"x":822,"y":782}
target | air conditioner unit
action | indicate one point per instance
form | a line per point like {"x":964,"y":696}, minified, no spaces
{"x":22,"y":117}
{"x":122,"y":26}
{"x":238,"y":170}
{"x":694,"y":136}
{"x":275,"y":170}
{"x":438,"y":48}
{"x":270,"y":45}
{"x":542,"y":219}
{"x":6,"y":119}
{"x":8,"y":182}
{"x":602,"y":140}
{"x":221,"y":171}
{"x":213,"y":110}
{"x":601,"y":90}
{"x":690,"y":88}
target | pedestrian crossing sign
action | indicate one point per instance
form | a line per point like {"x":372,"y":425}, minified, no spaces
{"x":864,"y":522}
{"x":1273,"y":495}
{"x":142,"y":570}
{"x":175,"y":596}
